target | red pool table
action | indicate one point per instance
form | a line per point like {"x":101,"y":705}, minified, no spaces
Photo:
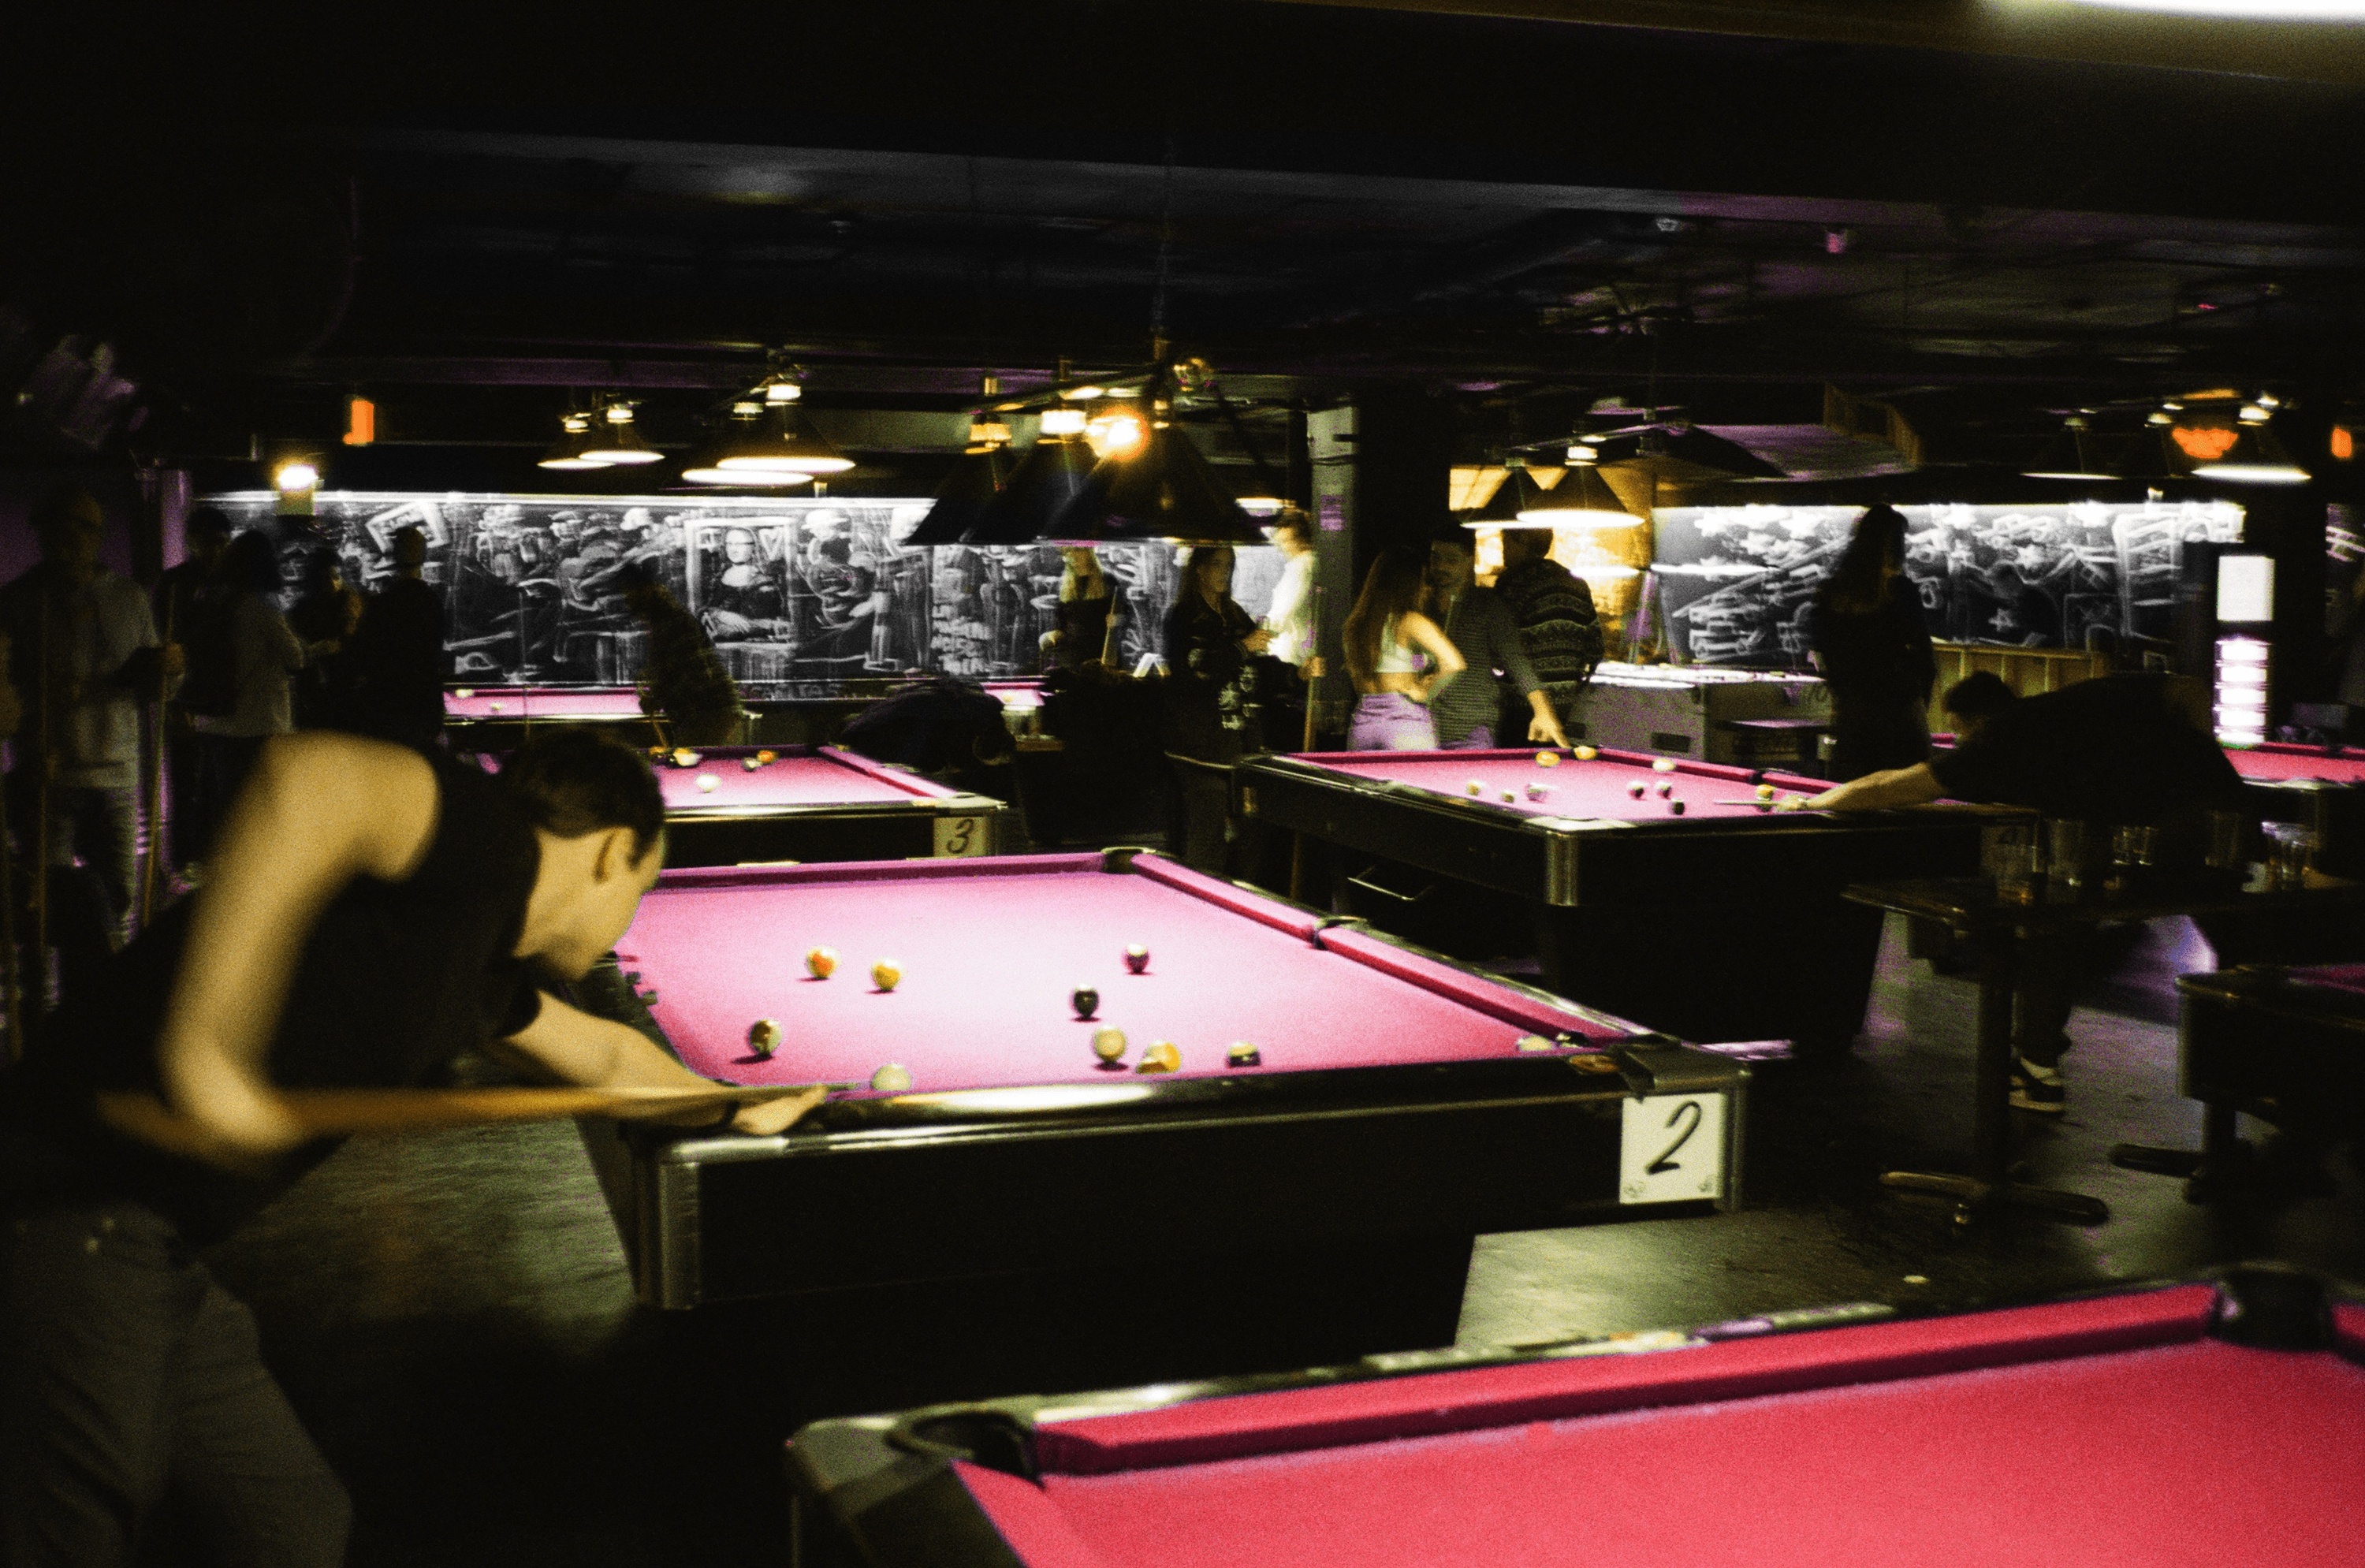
{"x":1398,"y":1107}
{"x":2182,"y":1425}
{"x":499,"y":718}
{"x":815,"y":803}
{"x":1723,"y":923}
{"x":2314,"y":786}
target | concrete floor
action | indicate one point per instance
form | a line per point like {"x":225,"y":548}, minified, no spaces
{"x":451,"y":1313}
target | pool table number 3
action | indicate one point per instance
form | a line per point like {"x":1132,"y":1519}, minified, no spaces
{"x":958,"y":837}
{"x":1671,"y":1149}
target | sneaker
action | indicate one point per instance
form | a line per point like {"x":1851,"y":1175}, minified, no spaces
{"x":2035,"y":1087}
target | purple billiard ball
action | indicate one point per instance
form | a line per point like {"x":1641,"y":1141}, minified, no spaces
{"x":1675,"y":808}
{"x":1635,"y":790}
{"x":1667,"y":791}
{"x":1137,"y":959}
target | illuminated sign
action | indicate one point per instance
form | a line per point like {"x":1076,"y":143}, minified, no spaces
{"x":2204,"y":444}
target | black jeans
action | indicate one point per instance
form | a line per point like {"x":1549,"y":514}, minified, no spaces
{"x":132,"y":1387}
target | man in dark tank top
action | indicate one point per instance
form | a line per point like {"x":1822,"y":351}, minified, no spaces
{"x":368,"y":916}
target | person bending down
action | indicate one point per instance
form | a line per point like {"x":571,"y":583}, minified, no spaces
{"x":1399,"y":657}
{"x":2112,"y":752}
{"x":1482,"y":629}
{"x":369,"y":916}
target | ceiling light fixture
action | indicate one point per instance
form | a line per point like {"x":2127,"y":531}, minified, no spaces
{"x":1158,"y":486}
{"x":1047,"y":477}
{"x":1517,"y":493}
{"x":1582,"y":500}
{"x":785,"y":441}
{"x":297,"y":476}
{"x":2070,"y":454}
{"x":2254,"y":457}
{"x":566,"y":453}
{"x":977,"y":477}
{"x":618,"y":441}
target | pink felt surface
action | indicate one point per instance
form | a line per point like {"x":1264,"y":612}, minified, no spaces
{"x":825,"y":777}
{"x":991,"y":950}
{"x":1593,"y":790}
{"x":1934,"y":1442}
{"x":2277,"y":764}
{"x":542,"y":703}
{"x":1483,"y":1398}
{"x":2199,"y":1454}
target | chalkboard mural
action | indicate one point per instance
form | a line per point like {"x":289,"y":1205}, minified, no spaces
{"x":799,"y":596}
{"x":1733,"y":585}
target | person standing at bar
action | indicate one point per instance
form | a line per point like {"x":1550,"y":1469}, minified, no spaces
{"x":396,"y":659}
{"x":1399,"y":657}
{"x":1482,"y":628}
{"x":190,"y":606}
{"x":1210,"y":701}
{"x":1873,"y":649}
{"x":1558,"y":623}
{"x":83,"y":653}
{"x":266,"y":656}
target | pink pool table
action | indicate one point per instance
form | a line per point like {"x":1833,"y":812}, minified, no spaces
{"x":1387,"y":1106}
{"x":2217,"y":1424}
{"x":733,"y":805}
{"x":1721,"y":921}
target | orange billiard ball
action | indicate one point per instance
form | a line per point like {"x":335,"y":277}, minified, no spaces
{"x":821,"y":962}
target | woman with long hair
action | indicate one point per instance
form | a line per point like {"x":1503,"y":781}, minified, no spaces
{"x":1873,"y":649}
{"x":1397,"y":656}
{"x":1087,"y":611}
{"x":1210,"y":698}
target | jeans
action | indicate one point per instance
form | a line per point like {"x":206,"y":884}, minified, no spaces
{"x":132,"y":1390}
{"x":1390,"y":721}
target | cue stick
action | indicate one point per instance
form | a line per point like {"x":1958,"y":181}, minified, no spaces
{"x":155,"y":779}
{"x":12,"y":976}
{"x":41,"y":805}
{"x":1306,"y":742}
{"x":1108,"y":634}
{"x":336,"y":1113}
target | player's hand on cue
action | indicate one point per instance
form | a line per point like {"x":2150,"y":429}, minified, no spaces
{"x":779,"y":1116}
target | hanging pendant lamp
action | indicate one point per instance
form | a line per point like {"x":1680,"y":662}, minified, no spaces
{"x":1517,"y":493}
{"x":786,"y":441}
{"x":566,"y":453}
{"x":2070,"y":455}
{"x":1582,"y":500}
{"x":965,"y":495}
{"x":1045,"y":479}
{"x":618,"y":440}
{"x":1153,"y":486}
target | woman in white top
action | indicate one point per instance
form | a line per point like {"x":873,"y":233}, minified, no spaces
{"x":1398,"y":656}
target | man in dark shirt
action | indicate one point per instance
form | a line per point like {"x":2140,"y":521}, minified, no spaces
{"x":367,"y":917}
{"x":2113,"y":752}
{"x":396,"y":661}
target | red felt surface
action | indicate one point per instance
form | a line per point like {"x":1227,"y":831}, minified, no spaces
{"x":2277,"y":764}
{"x":2089,"y":1433}
{"x":542,"y":703}
{"x":991,"y":950}
{"x":825,"y":778}
{"x":1593,"y":790}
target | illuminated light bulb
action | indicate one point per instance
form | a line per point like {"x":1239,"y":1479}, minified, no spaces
{"x":299,"y":476}
{"x":620,"y":443}
{"x":1063,"y":421}
{"x":2253,"y":414}
{"x":1116,"y":435}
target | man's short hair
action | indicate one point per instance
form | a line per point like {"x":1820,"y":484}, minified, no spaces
{"x":207,"y":523}
{"x":572,"y":780}
{"x":1979,"y":695}
{"x":410,"y":546}
{"x":68,"y":503}
{"x":1454,"y":536}
{"x":1537,"y":542}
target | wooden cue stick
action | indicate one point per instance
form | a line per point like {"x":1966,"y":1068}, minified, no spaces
{"x":330,"y":1113}
{"x":41,"y":806}
{"x":12,"y":976}
{"x":154,"y":802}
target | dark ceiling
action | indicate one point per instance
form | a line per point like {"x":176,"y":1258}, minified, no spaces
{"x":467,"y":222}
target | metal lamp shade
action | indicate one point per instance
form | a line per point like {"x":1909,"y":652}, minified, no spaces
{"x":1047,"y":478}
{"x":965,"y":496}
{"x":1518,"y":492}
{"x":1162,"y":490}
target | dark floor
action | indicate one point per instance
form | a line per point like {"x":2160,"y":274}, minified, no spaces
{"x":452,"y":1315}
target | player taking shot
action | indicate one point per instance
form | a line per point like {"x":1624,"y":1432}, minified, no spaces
{"x":368,"y":916}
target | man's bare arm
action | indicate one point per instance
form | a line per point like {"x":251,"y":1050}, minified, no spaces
{"x":596,"y":1053}
{"x":317,"y":813}
{"x":1914,"y":786}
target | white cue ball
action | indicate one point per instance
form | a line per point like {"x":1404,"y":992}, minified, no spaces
{"x":706,"y":783}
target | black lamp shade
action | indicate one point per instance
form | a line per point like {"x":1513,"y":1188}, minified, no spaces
{"x":963,"y":500}
{"x":1040,"y":488}
{"x":1163,"y":490}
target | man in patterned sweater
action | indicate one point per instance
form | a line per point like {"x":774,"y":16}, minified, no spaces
{"x":1554,"y":610}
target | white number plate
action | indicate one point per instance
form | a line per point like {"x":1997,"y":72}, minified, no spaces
{"x":962,"y":836}
{"x":1672,"y":1149}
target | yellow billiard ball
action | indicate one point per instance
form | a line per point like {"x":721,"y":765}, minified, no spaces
{"x":886,"y":974}
{"x":464,"y":693}
{"x":1549,"y":758}
{"x":1162,"y":1057}
{"x":821,"y":962}
{"x":685,"y":758}
{"x":1476,"y":786}
{"x":1587,"y":754}
{"x":764,"y":1036}
{"x":1765,"y":791}
{"x":1663,"y":765}
{"x":1109,"y":1046}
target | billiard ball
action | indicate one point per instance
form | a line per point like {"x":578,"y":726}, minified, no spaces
{"x":707,"y":783}
{"x":1242,"y":1054}
{"x":1476,"y":787}
{"x":1675,"y":808}
{"x":1765,"y":791}
{"x":1533,"y":1043}
{"x":1108,"y":1043}
{"x":1538,"y":791}
{"x":493,"y":707}
{"x":1162,"y":1057}
{"x":750,"y":764}
{"x":892,"y":1079}
{"x":1085,"y":1001}
{"x":1665,"y":791}
{"x":1663,"y":765}
{"x":1586,"y":754}
{"x":821,"y":962}
{"x":767,"y":757}
{"x":1510,"y":794}
{"x":1549,"y":758}
{"x":685,"y":758}
{"x":1137,"y":959}
{"x":886,"y":974}
{"x":1635,"y":790}
{"x":465,"y":692}
{"x":764,"y":1036}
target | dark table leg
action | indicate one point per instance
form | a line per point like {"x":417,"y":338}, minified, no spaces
{"x":1991,"y":1184}
{"x":2220,"y":1167}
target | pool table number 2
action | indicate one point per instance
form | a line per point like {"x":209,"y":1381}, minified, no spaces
{"x":1671,"y":1149}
